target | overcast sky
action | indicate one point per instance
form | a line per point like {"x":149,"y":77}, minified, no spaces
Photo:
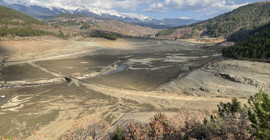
{"x":196,"y":9}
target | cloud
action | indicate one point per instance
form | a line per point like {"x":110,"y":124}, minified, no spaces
{"x":156,"y":7}
{"x":116,"y":4}
{"x":202,"y":7}
{"x":197,"y":5}
{"x":130,"y":5}
{"x":185,"y":18}
{"x":219,"y":7}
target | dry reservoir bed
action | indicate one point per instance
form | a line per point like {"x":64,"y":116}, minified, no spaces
{"x":114,"y":84}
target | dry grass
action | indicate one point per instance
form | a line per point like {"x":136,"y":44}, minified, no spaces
{"x":86,"y":129}
{"x":159,"y":127}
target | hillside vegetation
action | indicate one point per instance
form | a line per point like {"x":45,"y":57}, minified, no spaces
{"x":166,"y":32}
{"x":106,"y":35}
{"x":256,"y":47}
{"x":84,"y":25}
{"x":11,"y":17}
{"x":241,"y":19}
{"x":22,"y":32}
{"x":14,"y":23}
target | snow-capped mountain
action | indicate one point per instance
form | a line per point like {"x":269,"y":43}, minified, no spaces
{"x":21,"y":2}
{"x":32,"y":7}
{"x":42,"y":9}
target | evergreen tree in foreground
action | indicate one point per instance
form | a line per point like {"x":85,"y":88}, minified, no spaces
{"x":259,"y":115}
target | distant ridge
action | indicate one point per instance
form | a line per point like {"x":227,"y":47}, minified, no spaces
{"x":241,"y":19}
{"x":12,"y":17}
{"x":14,"y":23}
{"x":246,"y":17}
{"x":67,"y":15}
{"x":41,"y":12}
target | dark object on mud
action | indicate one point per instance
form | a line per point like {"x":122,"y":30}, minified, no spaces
{"x":69,"y":80}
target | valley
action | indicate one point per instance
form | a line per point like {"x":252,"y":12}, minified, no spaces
{"x":77,"y":71}
{"x":128,"y":80}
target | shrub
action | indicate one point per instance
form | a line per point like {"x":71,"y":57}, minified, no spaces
{"x":259,"y":115}
{"x":229,"y":108}
{"x":160,"y":126}
{"x":85,"y":26}
{"x":84,"y":129}
{"x":231,"y":123}
{"x":135,"y":131}
{"x":119,"y":134}
{"x":107,"y":35}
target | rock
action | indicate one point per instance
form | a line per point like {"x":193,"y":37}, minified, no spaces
{"x":220,"y":91}
{"x":242,"y":80}
{"x":69,"y":80}
{"x":3,"y":96}
{"x":204,"y":89}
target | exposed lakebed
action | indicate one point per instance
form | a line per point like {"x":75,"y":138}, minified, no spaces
{"x":106,"y":83}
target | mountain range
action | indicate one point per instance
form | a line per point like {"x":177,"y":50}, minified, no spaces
{"x":41,"y":11}
{"x":14,"y":23}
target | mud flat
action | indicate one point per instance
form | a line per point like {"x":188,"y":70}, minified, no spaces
{"x":23,"y":72}
{"x":224,"y":78}
{"x":132,"y":79}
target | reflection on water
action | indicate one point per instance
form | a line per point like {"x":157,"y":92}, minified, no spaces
{"x":118,"y":69}
{"x":218,"y":54}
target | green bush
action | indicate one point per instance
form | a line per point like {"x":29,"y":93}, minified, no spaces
{"x":225,"y":109}
{"x":107,"y":35}
{"x":259,"y":115}
{"x":85,"y":26}
{"x":119,"y":134}
{"x":231,"y":123}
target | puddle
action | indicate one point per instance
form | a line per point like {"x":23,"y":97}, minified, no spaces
{"x":176,"y":58}
{"x":84,"y":62}
{"x":218,"y":54}
{"x":143,"y":61}
{"x":118,"y":69}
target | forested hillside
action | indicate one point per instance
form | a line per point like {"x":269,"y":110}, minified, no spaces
{"x":243,"y":18}
{"x":14,"y":23}
{"x":11,"y":17}
{"x":256,"y":47}
{"x":166,"y":32}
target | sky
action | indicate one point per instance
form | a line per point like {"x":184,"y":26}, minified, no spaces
{"x":159,"y":9}
{"x":195,"y":9}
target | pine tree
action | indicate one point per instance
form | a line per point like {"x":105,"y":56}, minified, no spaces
{"x":259,"y":115}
